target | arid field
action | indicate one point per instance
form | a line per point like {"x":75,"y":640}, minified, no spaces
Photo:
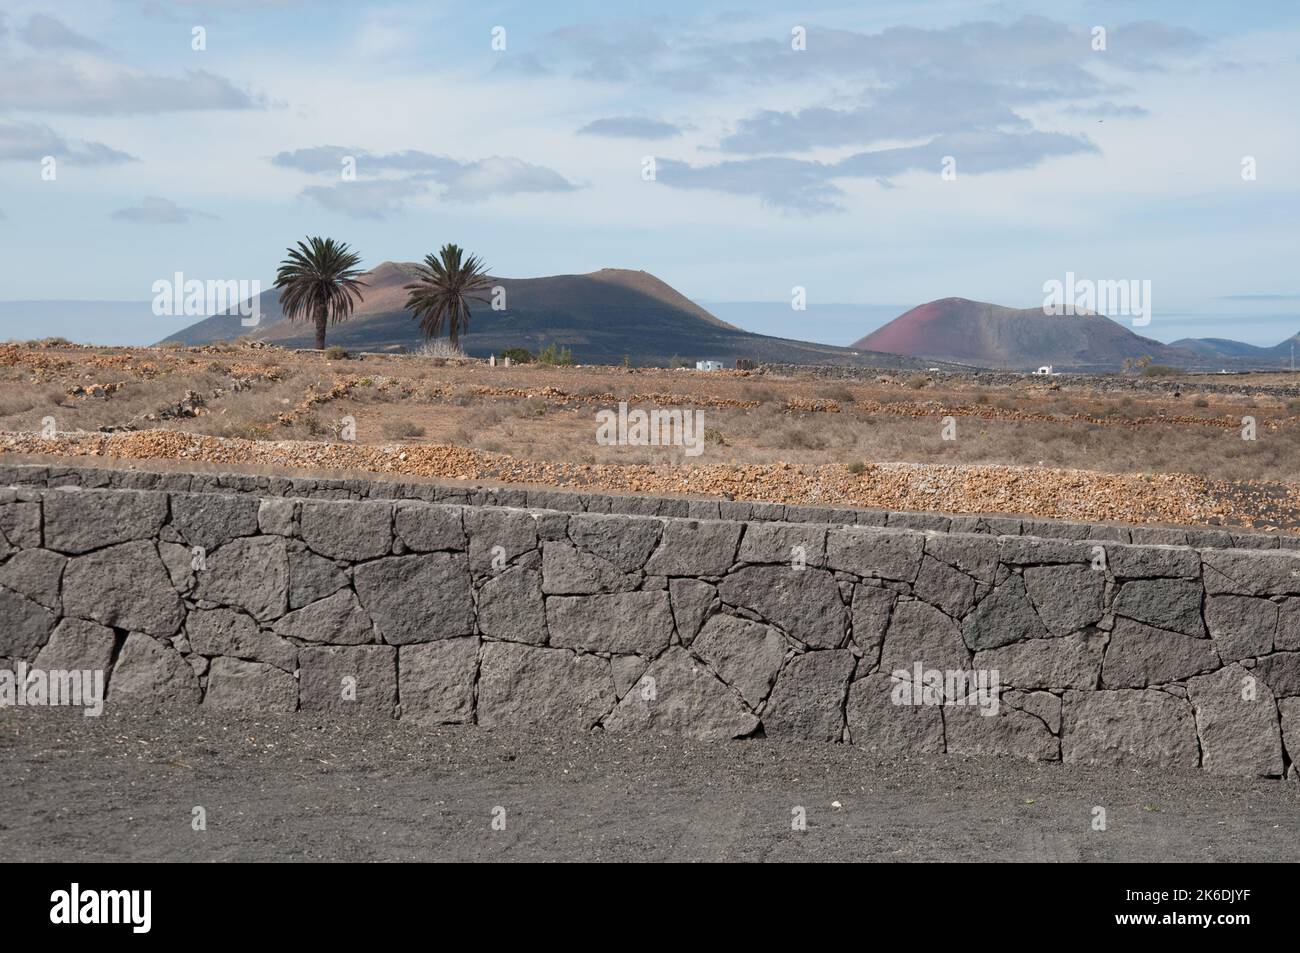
{"x":1123,"y":448}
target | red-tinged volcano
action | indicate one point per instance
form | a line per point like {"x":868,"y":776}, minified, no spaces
{"x":989,"y":335}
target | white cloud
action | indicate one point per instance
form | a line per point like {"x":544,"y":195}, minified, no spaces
{"x":44,"y":32}
{"x":91,"y":85}
{"x":459,"y":180}
{"x":630,"y":127}
{"x":158,"y":211}
{"x":34,"y":141}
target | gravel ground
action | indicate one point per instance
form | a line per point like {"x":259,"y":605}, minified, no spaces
{"x":124,"y":787}
{"x":1046,"y":492}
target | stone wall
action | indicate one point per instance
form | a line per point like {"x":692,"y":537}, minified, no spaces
{"x":577,"y":501}
{"x":439,"y":613}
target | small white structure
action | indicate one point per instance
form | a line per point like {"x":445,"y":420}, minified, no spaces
{"x":708,"y":365}
{"x":1044,"y":370}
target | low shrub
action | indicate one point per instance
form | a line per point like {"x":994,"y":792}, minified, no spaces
{"x":517,"y":355}
{"x":403,"y":430}
{"x":555,"y":356}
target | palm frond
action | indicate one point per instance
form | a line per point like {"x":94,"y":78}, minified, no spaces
{"x":318,"y":278}
{"x":444,"y":286}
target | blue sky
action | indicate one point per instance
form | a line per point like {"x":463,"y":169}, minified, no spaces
{"x":774,"y":167}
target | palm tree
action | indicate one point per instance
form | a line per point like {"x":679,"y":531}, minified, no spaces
{"x":443,"y":289}
{"x":317,"y":282}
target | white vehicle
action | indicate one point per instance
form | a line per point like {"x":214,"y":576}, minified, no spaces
{"x":1043,"y":371}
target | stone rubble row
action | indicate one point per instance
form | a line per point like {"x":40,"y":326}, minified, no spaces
{"x":1107,"y":653}
{"x":572,"y":501}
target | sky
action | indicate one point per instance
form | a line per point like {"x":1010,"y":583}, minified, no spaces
{"x":882,"y":153}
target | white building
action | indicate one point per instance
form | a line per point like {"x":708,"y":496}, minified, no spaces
{"x":708,"y":365}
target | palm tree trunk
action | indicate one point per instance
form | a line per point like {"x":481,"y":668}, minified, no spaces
{"x":322,"y":318}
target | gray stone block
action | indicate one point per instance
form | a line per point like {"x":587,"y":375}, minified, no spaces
{"x":920,"y":634}
{"x":1070,"y":662}
{"x":311,"y":577}
{"x":1068,"y":598}
{"x":746,"y":655}
{"x":1241,"y":626}
{"x":36,"y":574}
{"x":1281,"y":672}
{"x":1010,"y":731}
{"x":1139,"y":655}
{"x":932,"y":522}
{"x":1039,"y":551}
{"x":808,"y":699}
{"x":622,"y":622}
{"x":944,"y":587}
{"x":278,"y":517}
{"x":180,"y":562}
{"x":1251,"y":572}
{"x":692,"y":603}
{"x":737,"y":510}
{"x":677,"y":694}
{"x":1237,"y":722}
{"x":78,"y":521}
{"x":695,"y":548}
{"x":976,"y":556}
{"x":703,"y":510}
{"x":1288,"y":626}
{"x":871,"y":608}
{"x":876,"y":554}
{"x":498,"y":537}
{"x":210,"y":519}
{"x":351,"y":530}
{"x":1055,"y":529}
{"x":78,"y":645}
{"x":805,"y":604}
{"x":566,"y":570}
{"x":252,"y":688}
{"x":334,"y":620}
{"x":525,"y":686}
{"x":1172,"y":604}
{"x":1159,"y":536}
{"x":417,"y":598}
{"x":1152,"y":562}
{"x":436,"y":681}
{"x":149,"y":673}
{"x":511,"y":607}
{"x":1042,"y":705}
{"x":879,"y":724}
{"x":125,"y":587}
{"x":214,"y":632}
{"x":250,"y":574}
{"x":627,"y":670}
{"x":1003,"y":617}
{"x":429,"y":528}
{"x":622,"y":541}
{"x":783,"y":543}
{"x":1128,"y":728}
{"x":348,"y":679}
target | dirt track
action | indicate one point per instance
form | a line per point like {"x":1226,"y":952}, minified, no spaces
{"x":297,"y":788}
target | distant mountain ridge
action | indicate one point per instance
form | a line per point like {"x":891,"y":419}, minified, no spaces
{"x":602,"y":317}
{"x":608,"y":315}
{"x":1234,"y":352}
{"x":990,"y":335}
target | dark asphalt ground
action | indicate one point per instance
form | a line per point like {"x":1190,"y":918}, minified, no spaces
{"x":301,"y":787}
